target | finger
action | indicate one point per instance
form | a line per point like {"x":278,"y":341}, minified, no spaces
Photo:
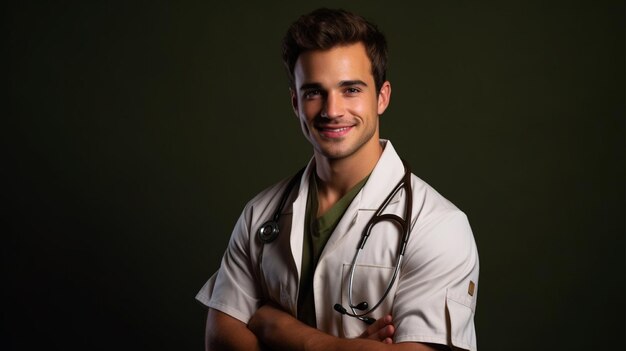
{"x":387,"y":332}
{"x":372,"y":331}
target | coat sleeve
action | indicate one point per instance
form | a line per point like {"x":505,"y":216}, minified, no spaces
{"x":437,"y":289}
{"x":234,"y":289}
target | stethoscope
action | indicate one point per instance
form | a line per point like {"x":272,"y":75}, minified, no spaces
{"x":270,"y":230}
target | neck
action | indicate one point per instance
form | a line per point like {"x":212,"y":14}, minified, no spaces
{"x":337,"y":176}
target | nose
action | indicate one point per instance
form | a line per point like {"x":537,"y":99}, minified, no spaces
{"x":333,"y":106}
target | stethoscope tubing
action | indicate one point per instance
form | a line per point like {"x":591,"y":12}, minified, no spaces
{"x":270,"y":230}
{"x":405,"y":228}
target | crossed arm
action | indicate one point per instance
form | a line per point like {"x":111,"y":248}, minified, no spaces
{"x":272,"y":329}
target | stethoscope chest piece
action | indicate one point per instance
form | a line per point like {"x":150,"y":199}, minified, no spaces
{"x":268,"y":232}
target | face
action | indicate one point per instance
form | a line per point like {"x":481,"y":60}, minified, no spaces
{"x":336,"y":101}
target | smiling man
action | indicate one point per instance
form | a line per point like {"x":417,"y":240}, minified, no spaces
{"x":354,"y":252}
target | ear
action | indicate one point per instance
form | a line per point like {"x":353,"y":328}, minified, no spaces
{"x":384,"y":96}
{"x":294,"y":101}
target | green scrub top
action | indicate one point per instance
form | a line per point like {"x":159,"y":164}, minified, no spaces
{"x":317,"y":231}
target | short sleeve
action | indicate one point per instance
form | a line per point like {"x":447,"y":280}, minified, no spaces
{"x":204,"y":295}
{"x":233,"y":288}
{"x":436,"y":296}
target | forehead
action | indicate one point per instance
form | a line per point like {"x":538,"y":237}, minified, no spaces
{"x":340,"y":63}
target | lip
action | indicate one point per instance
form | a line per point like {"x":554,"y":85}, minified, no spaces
{"x":334,"y":131}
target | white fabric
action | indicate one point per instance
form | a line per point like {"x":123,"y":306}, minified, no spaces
{"x":430,"y":301}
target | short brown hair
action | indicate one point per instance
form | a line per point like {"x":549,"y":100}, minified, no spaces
{"x":324,"y":29}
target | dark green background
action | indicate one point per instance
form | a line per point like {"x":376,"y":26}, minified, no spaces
{"x":135,"y":134}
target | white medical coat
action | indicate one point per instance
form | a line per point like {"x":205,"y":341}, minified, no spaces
{"x":433,"y":299}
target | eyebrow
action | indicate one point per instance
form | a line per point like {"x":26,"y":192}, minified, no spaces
{"x":343,"y":83}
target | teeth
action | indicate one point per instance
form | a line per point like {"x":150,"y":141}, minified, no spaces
{"x":337,"y":130}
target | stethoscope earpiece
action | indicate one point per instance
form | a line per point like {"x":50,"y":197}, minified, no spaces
{"x":362,"y":306}
{"x":342,"y":310}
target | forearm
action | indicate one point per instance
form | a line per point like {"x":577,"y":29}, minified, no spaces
{"x":225,"y":333}
{"x":303,"y":338}
{"x":281,"y":331}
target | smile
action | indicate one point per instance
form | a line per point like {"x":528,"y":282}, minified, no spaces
{"x":334,"y":132}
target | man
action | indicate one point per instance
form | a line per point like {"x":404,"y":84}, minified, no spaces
{"x":280,"y":291}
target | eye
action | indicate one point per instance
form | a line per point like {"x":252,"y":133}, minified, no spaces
{"x":311,"y":94}
{"x":352,"y":91}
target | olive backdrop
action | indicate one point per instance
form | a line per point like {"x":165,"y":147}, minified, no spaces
{"x":135,"y":132}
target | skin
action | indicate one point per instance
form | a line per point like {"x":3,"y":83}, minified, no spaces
{"x":224,"y":332}
{"x":335,"y":89}
{"x":280,"y":331}
{"x":338,"y":106}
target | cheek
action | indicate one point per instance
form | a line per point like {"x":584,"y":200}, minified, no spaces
{"x":360,"y":107}
{"x":310,"y":109}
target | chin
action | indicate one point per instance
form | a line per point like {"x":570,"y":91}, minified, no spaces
{"x":335,"y":153}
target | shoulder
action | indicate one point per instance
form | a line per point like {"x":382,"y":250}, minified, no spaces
{"x":271,"y":194}
{"x":264,"y":204}
{"x":258,"y":210}
{"x":439,"y":228}
{"x":429,"y":206}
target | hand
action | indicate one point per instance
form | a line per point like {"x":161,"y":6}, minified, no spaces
{"x":382,"y":330}
{"x":267,"y":316}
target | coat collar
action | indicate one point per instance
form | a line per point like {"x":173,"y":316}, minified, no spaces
{"x":387,"y":173}
{"x":384,"y":177}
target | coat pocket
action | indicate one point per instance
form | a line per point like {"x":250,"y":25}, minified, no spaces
{"x":460,"y":310}
{"x":368,"y":285}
